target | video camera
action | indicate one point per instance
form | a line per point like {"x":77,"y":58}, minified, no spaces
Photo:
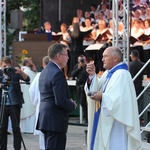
{"x":82,"y":60}
{"x":9,"y":71}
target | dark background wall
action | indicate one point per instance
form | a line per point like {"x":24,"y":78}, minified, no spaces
{"x":50,"y":12}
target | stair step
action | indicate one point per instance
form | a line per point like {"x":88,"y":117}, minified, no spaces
{"x":145,"y":129}
{"x":145,"y":146}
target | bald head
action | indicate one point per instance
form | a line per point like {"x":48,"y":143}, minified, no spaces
{"x":25,"y":61}
{"x":111,"y":57}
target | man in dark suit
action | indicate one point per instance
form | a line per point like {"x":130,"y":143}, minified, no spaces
{"x":55,"y":103}
{"x":134,"y":66}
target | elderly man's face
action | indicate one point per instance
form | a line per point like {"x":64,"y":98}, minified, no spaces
{"x":109,"y":60}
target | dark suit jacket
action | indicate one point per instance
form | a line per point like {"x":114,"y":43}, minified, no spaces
{"x":134,"y":67}
{"x":55,"y":104}
{"x":49,"y":35}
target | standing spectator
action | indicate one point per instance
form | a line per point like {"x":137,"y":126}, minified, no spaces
{"x":93,"y":11}
{"x":104,"y":8}
{"x":76,"y":44}
{"x":88,"y":39}
{"x":35,"y":98}
{"x":87,"y":15}
{"x":102,"y":38}
{"x":102,"y":16}
{"x":75,"y":20}
{"x":143,"y":12}
{"x":80,"y":74}
{"x":13,"y":103}
{"x":64,"y":33}
{"x":116,"y":123}
{"x":147,"y":13}
{"x":65,"y":40}
{"x":80,"y":16}
{"x":146,"y":46}
{"x":136,"y":4}
{"x":136,"y":30}
{"x":135,"y":66}
{"x":28,"y":111}
{"x":48,"y":28}
{"x":56,"y":103}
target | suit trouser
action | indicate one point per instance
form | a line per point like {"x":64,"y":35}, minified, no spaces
{"x":15,"y":126}
{"x":55,"y":140}
{"x":82,"y":100}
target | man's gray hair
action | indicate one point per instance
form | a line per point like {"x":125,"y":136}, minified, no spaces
{"x":117,"y":51}
{"x":55,"y":49}
{"x":45,"y":60}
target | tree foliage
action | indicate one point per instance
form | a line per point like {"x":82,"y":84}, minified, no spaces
{"x":31,"y":17}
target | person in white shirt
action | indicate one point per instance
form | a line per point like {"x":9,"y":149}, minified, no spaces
{"x":35,"y":98}
{"x":28,"y":109}
{"x":47,"y":28}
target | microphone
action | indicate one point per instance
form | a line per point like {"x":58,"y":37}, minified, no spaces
{"x":25,"y":83}
{"x":42,"y":28}
{"x":28,"y":83}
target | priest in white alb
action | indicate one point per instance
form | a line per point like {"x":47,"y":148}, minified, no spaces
{"x":116,"y":122}
{"x":27,"y":121}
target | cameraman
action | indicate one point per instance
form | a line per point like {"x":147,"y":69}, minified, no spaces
{"x":80,"y":74}
{"x":9,"y":79}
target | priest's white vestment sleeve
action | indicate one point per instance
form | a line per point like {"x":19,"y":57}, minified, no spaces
{"x":95,"y":86}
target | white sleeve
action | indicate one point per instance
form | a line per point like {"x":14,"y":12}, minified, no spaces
{"x":34,"y":90}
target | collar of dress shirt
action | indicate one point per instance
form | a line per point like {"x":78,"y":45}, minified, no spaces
{"x":56,"y":65}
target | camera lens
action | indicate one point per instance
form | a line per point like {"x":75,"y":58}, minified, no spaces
{"x":82,"y":60}
{"x":8,"y":70}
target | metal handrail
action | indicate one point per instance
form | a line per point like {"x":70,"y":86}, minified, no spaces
{"x":143,"y":91}
{"x":144,"y":88}
{"x":146,"y":126}
{"x":144,"y":110}
{"x":141,"y":70}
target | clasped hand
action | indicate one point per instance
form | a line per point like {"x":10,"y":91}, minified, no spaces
{"x":96,"y":96}
{"x":74,"y":103}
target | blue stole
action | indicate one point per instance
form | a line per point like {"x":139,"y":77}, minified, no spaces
{"x":97,"y":113}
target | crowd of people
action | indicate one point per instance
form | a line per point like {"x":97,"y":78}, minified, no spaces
{"x":95,"y":25}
